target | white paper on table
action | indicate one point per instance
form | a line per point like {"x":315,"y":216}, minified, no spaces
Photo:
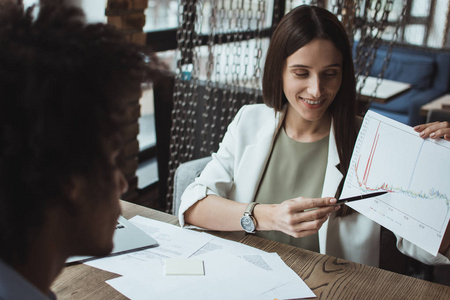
{"x":231,"y":247}
{"x":292,"y":288}
{"x":173,"y":242}
{"x":390,"y":156}
{"x":232,"y":270}
{"x":125,"y":264}
{"x":226,"y":277}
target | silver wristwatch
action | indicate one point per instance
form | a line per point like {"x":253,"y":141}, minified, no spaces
{"x":248,"y":222}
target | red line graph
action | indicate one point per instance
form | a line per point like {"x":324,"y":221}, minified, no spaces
{"x":363,"y":183}
{"x":391,"y":157}
{"x":433,"y":193}
{"x":372,"y":152}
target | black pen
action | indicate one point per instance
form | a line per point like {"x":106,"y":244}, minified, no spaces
{"x":360,"y":197}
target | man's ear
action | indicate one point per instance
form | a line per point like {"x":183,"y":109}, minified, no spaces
{"x":72,"y":189}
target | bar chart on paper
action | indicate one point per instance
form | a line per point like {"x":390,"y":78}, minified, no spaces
{"x":390,"y":156}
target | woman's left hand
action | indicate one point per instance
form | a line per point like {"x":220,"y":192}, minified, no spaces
{"x":434,"y":130}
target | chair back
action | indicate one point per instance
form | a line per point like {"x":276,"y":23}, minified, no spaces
{"x":438,"y":115}
{"x":184,"y":176}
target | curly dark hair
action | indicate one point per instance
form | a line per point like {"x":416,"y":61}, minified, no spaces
{"x":64,"y":85}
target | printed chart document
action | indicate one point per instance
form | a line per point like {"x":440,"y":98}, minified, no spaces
{"x":231,"y":270}
{"x":390,"y":156}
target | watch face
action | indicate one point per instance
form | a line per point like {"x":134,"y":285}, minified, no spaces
{"x":247,"y":224}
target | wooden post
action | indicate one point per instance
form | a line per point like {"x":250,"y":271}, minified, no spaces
{"x":129,"y":17}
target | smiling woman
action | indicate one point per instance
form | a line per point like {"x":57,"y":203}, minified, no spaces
{"x":282,"y":156}
{"x":289,"y":156}
{"x":311,"y":77}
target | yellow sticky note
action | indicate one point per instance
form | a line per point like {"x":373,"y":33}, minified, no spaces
{"x":184,"y":266}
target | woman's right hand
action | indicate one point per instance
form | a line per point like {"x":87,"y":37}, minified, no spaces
{"x":297,"y":217}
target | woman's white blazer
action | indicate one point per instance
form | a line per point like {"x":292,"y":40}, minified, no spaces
{"x":236,"y":170}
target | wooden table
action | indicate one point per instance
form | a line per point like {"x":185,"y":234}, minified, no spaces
{"x":387,"y":90}
{"x":440,"y":103}
{"x":328,"y":277}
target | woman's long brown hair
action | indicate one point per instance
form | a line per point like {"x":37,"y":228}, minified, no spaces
{"x":298,"y":28}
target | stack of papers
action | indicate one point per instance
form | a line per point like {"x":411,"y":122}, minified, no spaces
{"x":231,"y":270}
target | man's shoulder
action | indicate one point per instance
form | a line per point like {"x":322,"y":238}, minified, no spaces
{"x":15,"y":286}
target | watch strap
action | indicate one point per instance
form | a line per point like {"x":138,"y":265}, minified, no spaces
{"x":249,"y":209}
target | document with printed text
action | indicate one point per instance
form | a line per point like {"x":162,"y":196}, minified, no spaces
{"x":231,"y":270}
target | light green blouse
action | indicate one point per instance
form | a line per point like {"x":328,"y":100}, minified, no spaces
{"x":294,"y":169}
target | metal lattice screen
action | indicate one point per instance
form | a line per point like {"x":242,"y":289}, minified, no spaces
{"x":221,"y":51}
{"x":214,"y":79}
